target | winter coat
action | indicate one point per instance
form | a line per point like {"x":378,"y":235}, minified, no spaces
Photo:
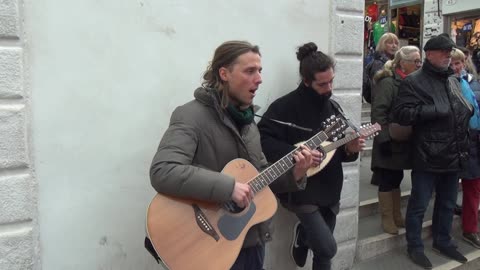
{"x":472,"y":171}
{"x":303,"y":107}
{"x":386,"y":152}
{"x":379,"y":60}
{"x":200,"y":140}
{"x":427,"y":100}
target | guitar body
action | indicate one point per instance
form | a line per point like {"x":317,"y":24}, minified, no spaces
{"x":329,"y":148}
{"x":326,"y":159}
{"x":192,"y":234}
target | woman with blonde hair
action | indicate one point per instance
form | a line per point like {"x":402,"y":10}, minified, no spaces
{"x":391,"y":157}
{"x":469,"y":66}
{"x":471,"y":175}
{"x":385,"y":50}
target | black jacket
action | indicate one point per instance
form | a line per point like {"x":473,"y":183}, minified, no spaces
{"x":369,"y":71}
{"x":306,"y":108}
{"x":439,"y":118}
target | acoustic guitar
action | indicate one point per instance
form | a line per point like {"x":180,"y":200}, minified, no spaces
{"x":329,"y":148}
{"x":190,"y":234}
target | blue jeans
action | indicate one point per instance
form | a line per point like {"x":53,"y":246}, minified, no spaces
{"x":250,"y":259}
{"x":423,"y":185}
{"x":318,"y":227}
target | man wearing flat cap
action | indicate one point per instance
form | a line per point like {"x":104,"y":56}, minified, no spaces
{"x":430,"y":101}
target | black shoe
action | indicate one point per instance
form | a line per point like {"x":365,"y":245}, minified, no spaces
{"x":451,"y":253}
{"x":419,"y":258}
{"x":299,"y":250}
{"x":472,"y":238}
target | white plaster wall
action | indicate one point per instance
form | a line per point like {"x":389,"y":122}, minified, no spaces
{"x":105,"y":76}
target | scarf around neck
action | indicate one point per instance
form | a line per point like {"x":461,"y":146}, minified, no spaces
{"x":241,"y":117}
{"x":400,"y":73}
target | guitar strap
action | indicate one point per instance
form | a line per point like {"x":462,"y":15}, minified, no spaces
{"x":339,"y":110}
{"x":151,"y":250}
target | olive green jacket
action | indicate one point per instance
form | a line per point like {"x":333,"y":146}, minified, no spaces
{"x":200,"y":140}
{"x":386,"y":152}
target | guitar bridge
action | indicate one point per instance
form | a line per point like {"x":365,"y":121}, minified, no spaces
{"x":203,"y":223}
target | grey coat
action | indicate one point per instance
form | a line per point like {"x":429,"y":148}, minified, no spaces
{"x":200,"y":140}
{"x":387,"y":153}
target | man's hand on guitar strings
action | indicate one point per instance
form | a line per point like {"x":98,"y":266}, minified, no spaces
{"x":356,"y":145}
{"x":242,"y":194}
{"x":317,"y":158}
{"x":303,"y":161}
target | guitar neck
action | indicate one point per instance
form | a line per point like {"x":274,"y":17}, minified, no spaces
{"x":280,"y":167}
{"x":340,"y":142}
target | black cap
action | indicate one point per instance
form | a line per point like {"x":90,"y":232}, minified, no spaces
{"x":440,"y":42}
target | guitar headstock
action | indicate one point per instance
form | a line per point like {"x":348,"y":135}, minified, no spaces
{"x":334,"y":127}
{"x":369,"y":130}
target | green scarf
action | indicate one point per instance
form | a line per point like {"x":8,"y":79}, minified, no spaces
{"x":240,"y":117}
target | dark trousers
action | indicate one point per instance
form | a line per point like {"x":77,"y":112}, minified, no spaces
{"x":423,"y":185}
{"x":471,"y":199}
{"x":250,"y":259}
{"x":387,"y":179}
{"x":318,"y":227}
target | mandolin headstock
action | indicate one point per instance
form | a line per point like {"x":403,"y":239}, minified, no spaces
{"x":334,"y":127}
{"x":369,"y":130}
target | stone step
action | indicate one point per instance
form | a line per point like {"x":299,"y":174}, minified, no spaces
{"x":365,"y":120}
{"x":397,"y":259}
{"x":366,"y":109}
{"x":367,"y":152}
{"x":373,"y":241}
{"x":369,"y":207}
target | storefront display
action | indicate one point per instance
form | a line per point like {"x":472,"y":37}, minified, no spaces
{"x":403,"y":18}
{"x":408,"y":21}
{"x":376,"y":24}
{"x":462,"y":22}
{"x":465,"y":32}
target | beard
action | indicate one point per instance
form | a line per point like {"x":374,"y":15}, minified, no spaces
{"x":445,"y":64}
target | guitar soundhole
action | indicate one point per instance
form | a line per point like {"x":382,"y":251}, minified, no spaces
{"x":232,"y":207}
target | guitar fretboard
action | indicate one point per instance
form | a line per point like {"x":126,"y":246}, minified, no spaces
{"x":340,"y":142}
{"x":280,"y":167}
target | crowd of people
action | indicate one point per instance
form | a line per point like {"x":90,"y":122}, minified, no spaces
{"x":430,"y":124}
{"x":429,"y":113}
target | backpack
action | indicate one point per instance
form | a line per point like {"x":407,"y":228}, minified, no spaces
{"x":367,"y":83}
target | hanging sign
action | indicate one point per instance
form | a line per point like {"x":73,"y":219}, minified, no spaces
{"x":403,"y":3}
{"x":456,"y":6}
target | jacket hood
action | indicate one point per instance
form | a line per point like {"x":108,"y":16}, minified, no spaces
{"x":207,"y":96}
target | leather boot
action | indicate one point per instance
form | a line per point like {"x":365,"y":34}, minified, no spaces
{"x":397,"y":204}
{"x":385,"y":202}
